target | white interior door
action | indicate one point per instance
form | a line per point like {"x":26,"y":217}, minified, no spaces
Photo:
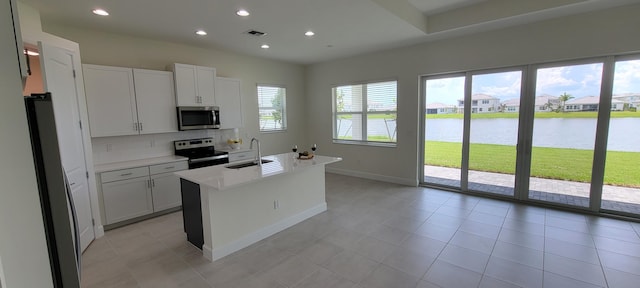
{"x":59,"y":79}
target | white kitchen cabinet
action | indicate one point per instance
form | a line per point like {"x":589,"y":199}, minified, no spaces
{"x":156,"y":102}
{"x":165,"y":185}
{"x":229,"y":99}
{"x":126,"y":101}
{"x":127,"y":199}
{"x":111,"y":100}
{"x":195,"y":85}
{"x":139,"y":191}
{"x":166,"y":191}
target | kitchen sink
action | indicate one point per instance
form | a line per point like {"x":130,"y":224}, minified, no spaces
{"x":247,"y":164}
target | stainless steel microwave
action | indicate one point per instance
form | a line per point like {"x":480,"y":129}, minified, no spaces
{"x":198,"y":117}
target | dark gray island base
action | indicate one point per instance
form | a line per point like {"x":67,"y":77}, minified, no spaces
{"x":192,"y":212}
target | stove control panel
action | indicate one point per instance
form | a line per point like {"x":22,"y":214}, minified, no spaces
{"x":193,"y":143}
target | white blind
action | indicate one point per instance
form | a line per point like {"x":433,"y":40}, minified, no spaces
{"x":382,"y":96}
{"x":271,"y":108}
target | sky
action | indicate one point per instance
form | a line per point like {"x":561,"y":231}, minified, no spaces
{"x":576,"y":80}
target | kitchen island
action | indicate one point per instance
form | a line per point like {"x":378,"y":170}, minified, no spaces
{"x":227,"y":209}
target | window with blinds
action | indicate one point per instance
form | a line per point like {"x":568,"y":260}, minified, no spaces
{"x":365,"y":113}
{"x":272,"y":108}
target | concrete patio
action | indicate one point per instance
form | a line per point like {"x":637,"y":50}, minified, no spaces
{"x":614,"y":198}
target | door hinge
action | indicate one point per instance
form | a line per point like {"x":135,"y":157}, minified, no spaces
{"x":80,"y":124}
{"x":87,"y":173}
{"x":74,"y":73}
{"x":93,"y":222}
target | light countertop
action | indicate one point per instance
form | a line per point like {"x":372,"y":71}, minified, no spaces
{"x":231,"y":150}
{"x":138,"y":163}
{"x":220,"y":178}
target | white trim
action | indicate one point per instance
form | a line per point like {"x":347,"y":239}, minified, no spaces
{"x":260,"y":234}
{"x":99,"y":230}
{"x":371,"y":176}
{"x":207,"y":252}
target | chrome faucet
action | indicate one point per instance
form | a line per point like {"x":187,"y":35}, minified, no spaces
{"x":259,"y":160}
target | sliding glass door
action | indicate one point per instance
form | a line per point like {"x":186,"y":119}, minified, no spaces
{"x":564,"y":133}
{"x":443,"y":122}
{"x":495,"y":110}
{"x":621,"y":189}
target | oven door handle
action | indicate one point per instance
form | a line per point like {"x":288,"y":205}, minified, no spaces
{"x":198,"y":160}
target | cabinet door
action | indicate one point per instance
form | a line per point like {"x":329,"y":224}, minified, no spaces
{"x":127,"y":199}
{"x":166,"y":191}
{"x":229,"y":100}
{"x":206,"y":85}
{"x":186,"y":85}
{"x":156,"y":101}
{"x":111,"y":100}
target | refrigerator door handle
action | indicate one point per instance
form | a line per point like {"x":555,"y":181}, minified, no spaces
{"x":75,"y":223}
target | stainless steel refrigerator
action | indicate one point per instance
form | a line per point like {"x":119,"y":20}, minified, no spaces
{"x":60,"y":221}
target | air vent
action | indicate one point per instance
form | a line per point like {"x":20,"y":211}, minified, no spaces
{"x":255,"y":33}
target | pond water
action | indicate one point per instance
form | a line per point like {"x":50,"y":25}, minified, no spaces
{"x":577,"y":133}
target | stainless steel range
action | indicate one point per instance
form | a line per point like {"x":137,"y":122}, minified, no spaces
{"x":201,"y":152}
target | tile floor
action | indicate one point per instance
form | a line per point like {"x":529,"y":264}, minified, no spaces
{"x":384,"y":235}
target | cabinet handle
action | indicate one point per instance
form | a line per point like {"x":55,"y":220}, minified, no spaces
{"x":73,"y":183}
{"x":141,"y":126}
{"x":153,"y":183}
{"x":171,"y":167}
{"x":126,"y":174}
{"x":135,"y":126}
{"x":149,"y":184}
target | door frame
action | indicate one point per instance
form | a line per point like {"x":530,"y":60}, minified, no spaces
{"x":32,"y":38}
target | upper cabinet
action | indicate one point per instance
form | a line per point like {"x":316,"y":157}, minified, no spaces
{"x":156,"y":101}
{"x":195,"y":85}
{"x":229,"y":99}
{"x":125,"y":101}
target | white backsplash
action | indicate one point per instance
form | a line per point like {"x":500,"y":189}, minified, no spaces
{"x":125,"y":148}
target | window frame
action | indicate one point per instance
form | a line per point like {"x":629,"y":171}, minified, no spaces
{"x":364,"y":115}
{"x":283,"y":108}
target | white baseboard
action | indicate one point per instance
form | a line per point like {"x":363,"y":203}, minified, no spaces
{"x":371,"y":176}
{"x":263,"y":233}
{"x":99,"y":231}
{"x":207,"y":252}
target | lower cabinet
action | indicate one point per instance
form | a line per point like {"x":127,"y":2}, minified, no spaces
{"x":166,"y":191}
{"x":135,"y":192}
{"x":127,"y":199}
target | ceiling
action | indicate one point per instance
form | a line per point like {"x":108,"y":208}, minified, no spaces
{"x":343,"y":27}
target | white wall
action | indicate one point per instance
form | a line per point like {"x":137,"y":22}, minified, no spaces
{"x":104,"y":48}
{"x":23,"y":249}
{"x":593,"y":34}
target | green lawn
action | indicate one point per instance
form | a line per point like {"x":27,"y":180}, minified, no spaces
{"x":614,"y":114}
{"x":622,"y":168}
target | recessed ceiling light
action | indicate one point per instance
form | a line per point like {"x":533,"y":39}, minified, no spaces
{"x":201,"y":32}
{"x":309,"y":33}
{"x":243,"y":13}
{"x":264,"y":46}
{"x":100,"y":12}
